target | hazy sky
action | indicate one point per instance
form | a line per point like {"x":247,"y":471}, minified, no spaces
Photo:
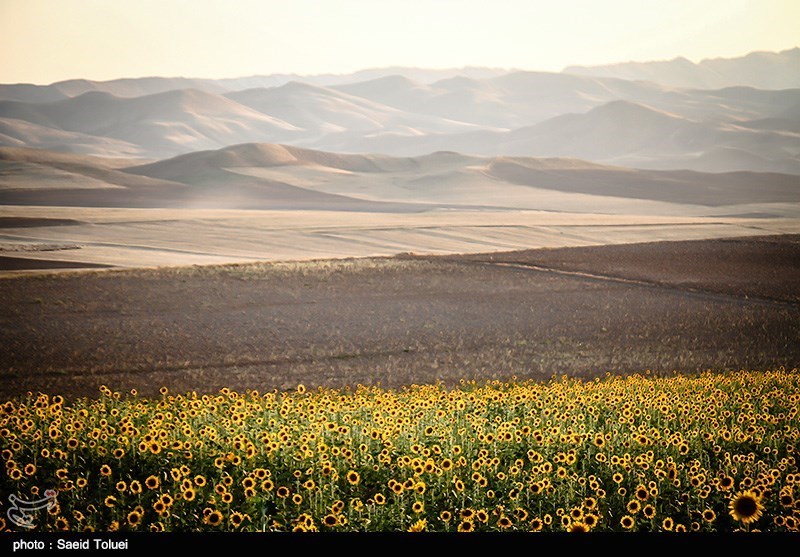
{"x":42,"y":41}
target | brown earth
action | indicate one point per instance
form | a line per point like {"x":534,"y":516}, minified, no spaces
{"x":9,"y":263}
{"x":669,"y":306}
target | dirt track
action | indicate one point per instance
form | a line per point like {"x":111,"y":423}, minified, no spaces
{"x":682,"y":306}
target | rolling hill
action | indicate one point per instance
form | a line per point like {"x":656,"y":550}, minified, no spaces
{"x":320,"y":110}
{"x":165,"y":123}
{"x":619,"y":132}
{"x":270,"y":176}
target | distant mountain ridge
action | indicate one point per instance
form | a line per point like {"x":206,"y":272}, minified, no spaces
{"x":762,"y":70}
{"x":138,"y":86}
{"x":606,"y":119}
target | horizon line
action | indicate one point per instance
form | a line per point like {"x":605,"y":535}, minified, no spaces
{"x":400,"y":66}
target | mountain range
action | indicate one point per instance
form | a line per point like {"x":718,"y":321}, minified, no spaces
{"x":764,"y":70}
{"x":721,"y":115}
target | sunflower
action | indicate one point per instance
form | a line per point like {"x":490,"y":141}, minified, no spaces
{"x":105,"y":470}
{"x":379,"y":499}
{"x":236,"y":519}
{"x":214,"y":518}
{"x":634,"y":506}
{"x":134,"y":518}
{"x":465,"y":527}
{"x":725,"y":483}
{"x":282,"y":492}
{"x":578,"y":527}
{"x":668,"y":524}
{"x":504,"y":522}
{"x":627,"y":522}
{"x":536,"y":524}
{"x":152,"y":482}
{"x":418,"y":507}
{"x":446,"y":516}
{"x":418,"y":526}
{"x":591,"y":520}
{"x":189,"y":494}
{"x":135,"y":487}
{"x":709,"y":515}
{"x":482,"y":516}
{"x":746,"y":507}
{"x":649,"y":511}
{"x":330,"y":520}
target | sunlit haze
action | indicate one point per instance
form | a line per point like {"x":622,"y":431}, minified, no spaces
{"x":43,"y":41}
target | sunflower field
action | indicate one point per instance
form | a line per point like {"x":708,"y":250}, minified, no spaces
{"x":707,"y":452}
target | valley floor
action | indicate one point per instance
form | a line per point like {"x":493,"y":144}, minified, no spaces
{"x":38,"y":238}
{"x":663,"y":306}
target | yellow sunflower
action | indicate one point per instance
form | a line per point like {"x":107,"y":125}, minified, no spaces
{"x":746,"y":507}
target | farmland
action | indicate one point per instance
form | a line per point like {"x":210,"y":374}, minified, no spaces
{"x":712,"y":452}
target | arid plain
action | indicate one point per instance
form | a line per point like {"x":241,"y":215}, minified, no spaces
{"x":399,"y":226}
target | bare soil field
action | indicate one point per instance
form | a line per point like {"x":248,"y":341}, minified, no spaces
{"x":666,"y":306}
{"x":27,"y":264}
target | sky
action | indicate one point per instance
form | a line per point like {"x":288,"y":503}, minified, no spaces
{"x":43,"y":41}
